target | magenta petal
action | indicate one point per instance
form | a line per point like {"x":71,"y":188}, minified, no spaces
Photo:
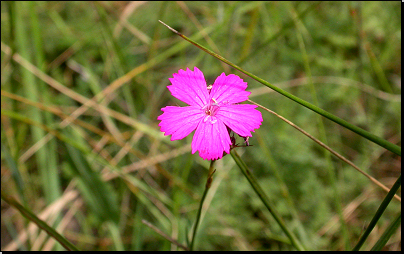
{"x":229,"y":89}
{"x":189,"y":87}
{"x":240,"y":118}
{"x":179,"y":121}
{"x":211,"y":140}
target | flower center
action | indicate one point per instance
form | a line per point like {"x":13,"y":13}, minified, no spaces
{"x":210,"y":110}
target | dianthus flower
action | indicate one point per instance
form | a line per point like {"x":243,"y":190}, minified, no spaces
{"x":210,"y":110}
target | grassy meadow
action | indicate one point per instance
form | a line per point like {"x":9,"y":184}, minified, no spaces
{"x":82,"y":85}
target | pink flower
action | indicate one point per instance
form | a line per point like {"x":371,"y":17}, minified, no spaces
{"x":210,"y":110}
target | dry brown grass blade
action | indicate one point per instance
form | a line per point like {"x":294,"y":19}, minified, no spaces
{"x":105,"y":135}
{"x":123,"y":22}
{"x":149,"y":161}
{"x":85,"y":101}
{"x":348,"y":212}
{"x":158,"y":231}
{"x":143,"y":163}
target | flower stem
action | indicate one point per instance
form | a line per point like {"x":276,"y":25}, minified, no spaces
{"x":382,"y":142}
{"x":198,"y":216}
{"x":264,"y":198}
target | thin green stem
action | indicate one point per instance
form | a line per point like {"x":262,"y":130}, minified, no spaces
{"x":264,"y":198}
{"x":387,"y":234}
{"x":40,"y":223}
{"x":198,"y":216}
{"x":384,"y":143}
{"x":379,"y":213}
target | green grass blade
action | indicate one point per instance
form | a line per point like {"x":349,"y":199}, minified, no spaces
{"x":332,"y":178}
{"x":382,"y":142}
{"x":15,"y":173}
{"x":40,"y":223}
{"x":387,"y":234}
{"x":383,"y":81}
{"x":264,"y":198}
{"x":118,"y":57}
{"x":144,"y":199}
{"x":379,"y":213}
{"x":276,"y":170}
{"x":245,"y":50}
{"x":278,"y":34}
{"x":115,"y":235}
{"x":51,"y":146}
{"x":31,"y":90}
{"x":99,"y":194}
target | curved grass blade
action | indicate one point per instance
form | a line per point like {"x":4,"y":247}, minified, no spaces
{"x":379,"y":213}
{"x":40,"y":223}
{"x":382,"y":142}
{"x":264,"y":198}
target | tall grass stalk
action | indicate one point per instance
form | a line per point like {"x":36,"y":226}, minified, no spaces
{"x":382,"y":142}
{"x":51,"y":146}
{"x":378,"y":214}
{"x":264,"y":198}
{"x":342,"y":158}
{"x":284,"y":188}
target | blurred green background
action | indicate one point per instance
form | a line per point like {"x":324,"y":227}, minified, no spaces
{"x":95,"y":179}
